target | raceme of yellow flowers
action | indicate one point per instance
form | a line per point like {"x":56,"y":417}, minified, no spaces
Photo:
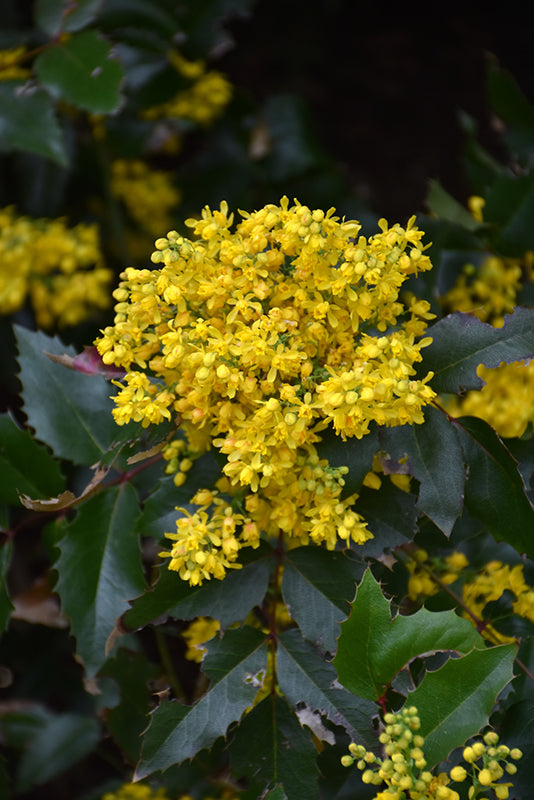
{"x":404,"y":768}
{"x":506,"y":401}
{"x":257,"y":340}
{"x":200,"y":102}
{"x":148,"y":194}
{"x":59,"y":269}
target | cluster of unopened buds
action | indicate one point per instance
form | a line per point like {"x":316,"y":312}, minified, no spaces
{"x":404,"y":768}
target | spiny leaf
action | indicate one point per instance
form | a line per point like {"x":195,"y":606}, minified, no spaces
{"x":53,"y":16}
{"x":6,"y":606}
{"x":82,"y":72}
{"x":69,"y":411}
{"x":99,"y":570}
{"x":305,"y":677}
{"x":317,"y":587}
{"x":495,"y":493}
{"x":235,"y":664}
{"x":275,"y":754}
{"x":391,"y":516}
{"x":356,"y":454}
{"x":373,"y":648}
{"x":229,"y":600}
{"x":460,"y":343}
{"x":435,"y":459}
{"x":445,"y":207}
{"x":20,"y":107}
{"x":25,"y":465}
{"x":455,"y":702}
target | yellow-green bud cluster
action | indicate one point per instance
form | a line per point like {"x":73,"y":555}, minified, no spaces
{"x":403,"y":768}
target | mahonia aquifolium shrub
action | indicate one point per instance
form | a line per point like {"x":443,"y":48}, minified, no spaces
{"x":255,"y":341}
{"x":404,"y":767}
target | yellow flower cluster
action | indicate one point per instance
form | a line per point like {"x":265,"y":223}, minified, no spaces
{"x":506,"y":401}
{"x":136,"y":791}
{"x":10,"y":69}
{"x":488,"y":292}
{"x":149,"y":195}
{"x":200,"y":631}
{"x":404,"y":772}
{"x":421,"y":583}
{"x":256,"y":341}
{"x":490,"y":584}
{"x":202,"y":101}
{"x":59,"y":268}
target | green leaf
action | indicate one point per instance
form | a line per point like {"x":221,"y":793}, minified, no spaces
{"x":275,"y":754}
{"x":54,"y":16}
{"x":26,"y":467}
{"x":455,"y":702}
{"x":292,"y":150}
{"x":435,"y":459}
{"x":235,"y":665}
{"x":460,"y":343}
{"x":509,"y":103}
{"x":59,"y":744}
{"x":228,"y":600}
{"x":318,"y":586}
{"x":28,"y":122}
{"x":444,"y":206}
{"x":81,"y":71}
{"x":69,"y":411}
{"x":510,"y":207}
{"x":356,"y":454}
{"x":99,"y":570}
{"x":127,"y":720}
{"x":6,"y":606}
{"x":494,"y":492}
{"x":305,"y":677}
{"x":391,"y":516}
{"x":373,"y":648}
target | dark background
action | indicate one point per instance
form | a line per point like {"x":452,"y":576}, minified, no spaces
{"x":385,"y":86}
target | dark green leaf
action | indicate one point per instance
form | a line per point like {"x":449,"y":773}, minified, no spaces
{"x":318,"y":586}
{"x":275,"y":754}
{"x":127,"y":720}
{"x":455,"y":702}
{"x":509,"y":103}
{"x":236,"y":665}
{"x":26,"y":467}
{"x":373,"y":648}
{"x":481,"y":167}
{"x":100,"y":570}
{"x":305,"y":677}
{"x":229,"y":600}
{"x":54,"y":16}
{"x":391,"y":516}
{"x":356,"y":454}
{"x":292,"y":149}
{"x":435,"y":459}
{"x":494,"y":492}
{"x":81,"y":71}
{"x":444,"y":206}
{"x":59,"y":744}
{"x":460,"y":343}
{"x":510,"y":207}
{"x":6,"y":606}
{"x":20,"y":107}
{"x":69,"y":411}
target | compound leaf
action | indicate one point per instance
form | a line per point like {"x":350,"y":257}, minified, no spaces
{"x":20,"y":107}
